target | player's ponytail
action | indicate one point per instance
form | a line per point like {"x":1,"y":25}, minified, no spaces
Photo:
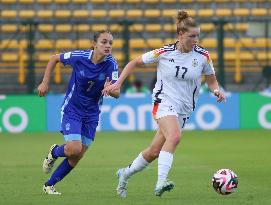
{"x":184,"y":21}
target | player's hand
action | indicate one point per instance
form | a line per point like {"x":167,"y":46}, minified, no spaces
{"x":43,"y":89}
{"x":107,"y":82}
{"x":220,"y":96}
{"x":110,"y":88}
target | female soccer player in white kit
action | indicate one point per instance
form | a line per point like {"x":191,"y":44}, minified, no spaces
{"x":179,"y":70}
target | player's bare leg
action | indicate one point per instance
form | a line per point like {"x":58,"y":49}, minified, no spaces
{"x":171,"y":130}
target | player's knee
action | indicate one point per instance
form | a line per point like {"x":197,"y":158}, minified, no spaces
{"x":175,"y":139}
{"x":74,"y":151}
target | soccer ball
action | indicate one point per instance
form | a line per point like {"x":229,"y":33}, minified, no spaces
{"x":225,"y":181}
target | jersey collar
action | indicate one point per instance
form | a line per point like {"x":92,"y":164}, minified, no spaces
{"x":176,"y":47}
{"x":91,"y":53}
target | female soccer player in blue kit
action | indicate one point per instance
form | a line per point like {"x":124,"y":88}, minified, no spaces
{"x":92,"y":71}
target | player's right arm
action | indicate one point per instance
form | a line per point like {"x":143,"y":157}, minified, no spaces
{"x":43,"y":87}
{"x":149,"y":57}
{"x":126,"y":71}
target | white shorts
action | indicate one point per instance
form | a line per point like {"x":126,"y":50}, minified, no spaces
{"x":165,"y":108}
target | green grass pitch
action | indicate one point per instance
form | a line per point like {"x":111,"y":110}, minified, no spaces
{"x":93,"y":181}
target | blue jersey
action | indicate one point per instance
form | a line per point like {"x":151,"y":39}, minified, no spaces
{"x":84,"y":96}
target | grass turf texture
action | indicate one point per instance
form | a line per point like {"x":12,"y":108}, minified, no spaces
{"x":198,"y":156}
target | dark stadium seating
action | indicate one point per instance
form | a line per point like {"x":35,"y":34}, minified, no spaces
{"x":154,"y":26}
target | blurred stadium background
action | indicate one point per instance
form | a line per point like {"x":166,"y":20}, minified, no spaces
{"x":237,"y":35}
{"x":236,"y":32}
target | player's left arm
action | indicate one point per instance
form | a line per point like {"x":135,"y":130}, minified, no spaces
{"x":214,"y":87}
{"x":209,"y":71}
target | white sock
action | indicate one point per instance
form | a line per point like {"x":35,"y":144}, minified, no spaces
{"x":165,"y":160}
{"x":137,"y":165}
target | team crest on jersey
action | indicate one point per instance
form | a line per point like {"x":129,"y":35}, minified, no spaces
{"x":195,"y":62}
{"x":101,"y":76}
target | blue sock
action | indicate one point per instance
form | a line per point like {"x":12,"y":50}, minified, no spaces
{"x":62,"y":170}
{"x":59,"y":152}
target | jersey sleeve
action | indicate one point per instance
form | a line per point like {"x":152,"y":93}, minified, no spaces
{"x":114,"y":76}
{"x":68,"y":58}
{"x":208,"y":68}
{"x":152,"y":56}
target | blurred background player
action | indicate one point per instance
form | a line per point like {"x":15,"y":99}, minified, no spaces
{"x":176,"y":91}
{"x":267,"y":91}
{"x":268,"y":88}
{"x":93,"y":70}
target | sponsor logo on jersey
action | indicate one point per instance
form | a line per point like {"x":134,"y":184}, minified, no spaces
{"x":82,"y":73}
{"x":171,"y":60}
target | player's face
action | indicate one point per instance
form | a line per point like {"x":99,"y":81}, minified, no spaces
{"x":104,"y":44}
{"x":189,"y":38}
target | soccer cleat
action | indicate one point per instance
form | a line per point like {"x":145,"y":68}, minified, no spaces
{"x":166,"y":186}
{"x":49,"y":161}
{"x":50,"y":190}
{"x":123,"y":183}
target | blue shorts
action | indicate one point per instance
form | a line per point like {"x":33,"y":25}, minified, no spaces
{"x":76,"y":128}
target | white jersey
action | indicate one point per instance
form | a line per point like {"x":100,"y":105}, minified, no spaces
{"x":179,"y":75}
